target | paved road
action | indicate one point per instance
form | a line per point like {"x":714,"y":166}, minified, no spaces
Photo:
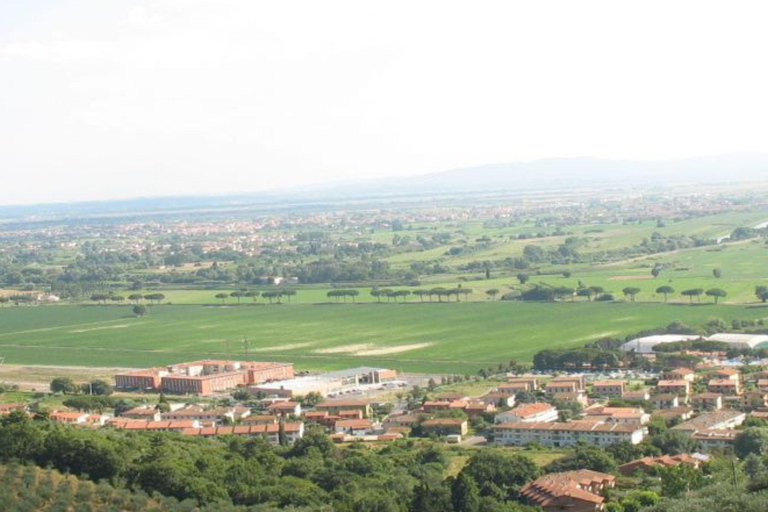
{"x":474,"y":441}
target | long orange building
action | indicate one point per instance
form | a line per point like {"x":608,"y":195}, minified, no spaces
{"x":204,"y":377}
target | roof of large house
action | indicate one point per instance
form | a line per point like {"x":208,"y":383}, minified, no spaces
{"x":709,"y":420}
{"x":726,"y":371}
{"x":664,"y":460}
{"x":607,"y":383}
{"x":283,"y":406}
{"x":673,"y":382}
{"x":141,"y":410}
{"x":571,"y":383}
{"x":343,"y":403}
{"x":151,"y":425}
{"x":711,"y":434}
{"x":271,"y":428}
{"x":612,"y":411}
{"x":67,"y":415}
{"x":681,"y":371}
{"x":639,"y":394}
{"x":569,"y":426}
{"x":570,"y":484}
{"x":358,"y":423}
{"x":723,"y":382}
{"x":443,"y":422}
{"x":532,"y":409}
{"x":706,"y":396}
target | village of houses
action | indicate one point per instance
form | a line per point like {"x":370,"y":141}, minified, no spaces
{"x":708,"y":404}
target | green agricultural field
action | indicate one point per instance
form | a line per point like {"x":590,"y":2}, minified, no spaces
{"x":430,"y":337}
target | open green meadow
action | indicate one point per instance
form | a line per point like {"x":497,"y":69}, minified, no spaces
{"x":430,"y":337}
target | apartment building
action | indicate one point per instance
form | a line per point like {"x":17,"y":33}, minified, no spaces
{"x":334,"y":407}
{"x":677,"y":387}
{"x":724,"y":386}
{"x":567,"y":434}
{"x":680,"y":374}
{"x":707,"y":401}
{"x":608,"y":388}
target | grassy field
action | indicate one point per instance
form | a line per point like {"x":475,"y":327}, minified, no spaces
{"x":743,"y":264}
{"x":440,"y":338}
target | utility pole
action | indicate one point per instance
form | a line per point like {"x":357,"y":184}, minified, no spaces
{"x":245,"y":347}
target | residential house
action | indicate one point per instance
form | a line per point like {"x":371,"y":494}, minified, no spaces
{"x":625,"y":415}
{"x":610,"y":388}
{"x":290,"y":431}
{"x":362,"y":427}
{"x":677,"y":387}
{"x":715,"y":439}
{"x":531,"y":381}
{"x":574,"y":491}
{"x":666,"y":401}
{"x":533,"y":412}
{"x":287,"y":408}
{"x":649,"y":464}
{"x":579,"y":397}
{"x":680,"y":374}
{"x":725,"y":386}
{"x":9,"y":408}
{"x":715,"y":420}
{"x":641,"y":395}
{"x":336,"y":406}
{"x":445,"y":426}
{"x":727,"y":374}
{"x":707,"y":401}
{"x":499,"y":398}
{"x":675,"y":414}
{"x":143,"y":412}
{"x":554,"y":387}
{"x":71,"y":418}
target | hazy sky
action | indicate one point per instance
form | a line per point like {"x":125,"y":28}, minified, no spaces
{"x":103,"y":99}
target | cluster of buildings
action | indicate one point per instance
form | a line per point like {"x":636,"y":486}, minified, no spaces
{"x":709,"y":406}
{"x":203,"y":377}
{"x":584,"y":490}
{"x":209,"y":377}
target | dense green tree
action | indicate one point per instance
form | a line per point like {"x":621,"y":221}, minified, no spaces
{"x":665,"y":290}
{"x":465,"y":494}
{"x":693,"y":292}
{"x":63,"y":385}
{"x":716,"y":294}
{"x":500,"y":474}
{"x":751,"y":440}
{"x":631,"y":291}
{"x":586,"y":457}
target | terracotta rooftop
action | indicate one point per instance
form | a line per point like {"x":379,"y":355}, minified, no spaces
{"x":529,"y":410}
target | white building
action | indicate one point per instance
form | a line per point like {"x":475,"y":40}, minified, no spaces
{"x":528,"y":413}
{"x":567,"y":434}
{"x":740,"y":340}
{"x":645,"y":344}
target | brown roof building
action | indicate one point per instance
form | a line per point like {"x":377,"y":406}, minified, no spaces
{"x":575,"y":491}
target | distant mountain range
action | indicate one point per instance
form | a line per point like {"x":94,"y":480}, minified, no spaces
{"x":545,"y":174}
{"x":593,"y":172}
